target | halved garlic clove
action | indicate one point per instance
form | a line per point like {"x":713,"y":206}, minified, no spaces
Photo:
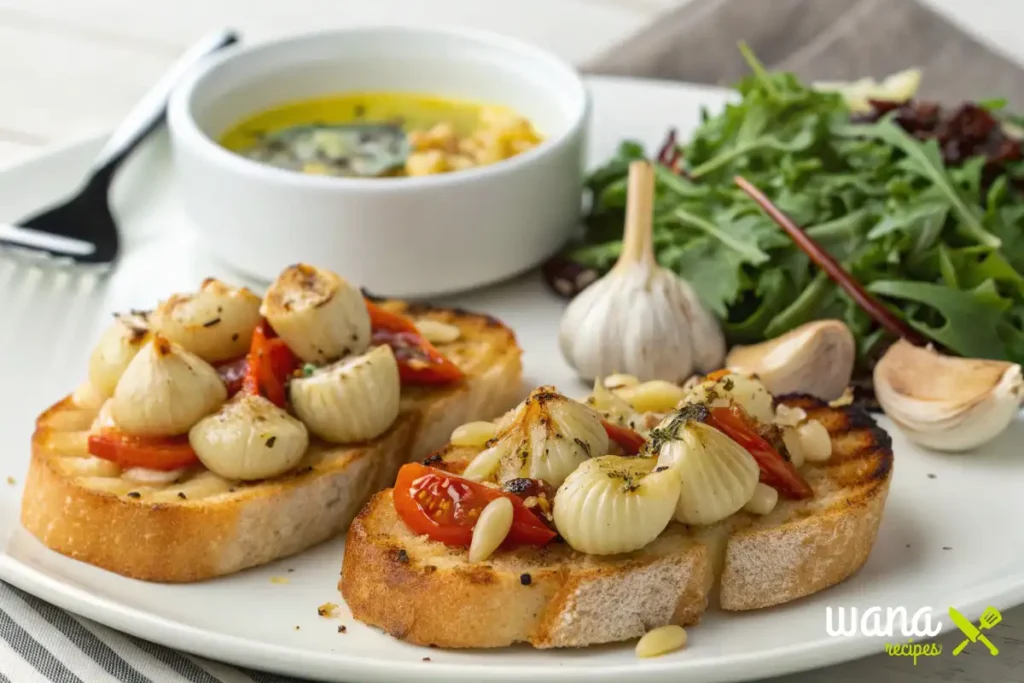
{"x":746,"y":392}
{"x":718,"y":476}
{"x":165,"y":390}
{"x":249,"y":438}
{"x":947,"y":403}
{"x":613,"y":504}
{"x":320,"y":316}
{"x":116,"y":348}
{"x":215,"y":323}
{"x":816,"y":358}
{"x":353,"y":400}
{"x":547,"y":437}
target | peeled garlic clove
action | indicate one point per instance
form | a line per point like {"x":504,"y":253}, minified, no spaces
{"x":816,"y":359}
{"x":613,"y":504}
{"x":216,"y":323}
{"x":718,"y":476}
{"x":654,"y":396}
{"x":116,"y":349}
{"x":320,"y":316}
{"x":249,"y":438}
{"x":746,"y":392}
{"x":947,"y":403}
{"x":165,"y":390}
{"x":547,"y":437}
{"x":353,"y":400}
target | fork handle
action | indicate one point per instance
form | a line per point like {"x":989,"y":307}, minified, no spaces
{"x":149,"y":112}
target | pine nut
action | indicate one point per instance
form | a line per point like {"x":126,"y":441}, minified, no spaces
{"x":816,"y":441}
{"x":437,"y":332}
{"x":789,"y":417}
{"x":661,"y":641}
{"x":763,"y":501}
{"x":483,"y":465}
{"x":620,"y":381}
{"x":491,"y":528}
{"x":475,"y":434}
{"x":656,"y":396}
{"x":794,"y":446}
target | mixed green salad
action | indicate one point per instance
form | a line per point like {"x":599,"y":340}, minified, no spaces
{"x":923,"y":206}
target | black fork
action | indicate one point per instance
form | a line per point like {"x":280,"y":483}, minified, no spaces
{"x":81,"y":230}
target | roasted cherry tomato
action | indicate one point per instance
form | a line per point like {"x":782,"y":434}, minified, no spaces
{"x":269,"y":365}
{"x":232,"y":373}
{"x":776,"y":471}
{"x":630,"y":441}
{"x":154,"y":453}
{"x":445,"y":508}
{"x":418,"y":361}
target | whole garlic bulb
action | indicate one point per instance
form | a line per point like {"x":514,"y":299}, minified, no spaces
{"x":116,"y":349}
{"x":718,"y":476}
{"x":640,"y":318}
{"x":613,"y":504}
{"x":165,"y":390}
{"x":947,"y":403}
{"x":320,"y":316}
{"x":249,"y":438}
{"x":216,"y":323}
{"x":546,"y":437}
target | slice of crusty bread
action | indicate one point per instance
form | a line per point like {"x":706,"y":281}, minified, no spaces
{"x":428,"y":593}
{"x":203,"y":526}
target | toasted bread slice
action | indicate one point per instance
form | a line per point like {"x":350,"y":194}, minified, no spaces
{"x":427,"y":593}
{"x":203,"y":526}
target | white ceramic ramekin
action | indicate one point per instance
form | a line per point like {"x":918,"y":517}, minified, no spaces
{"x":407,"y":237}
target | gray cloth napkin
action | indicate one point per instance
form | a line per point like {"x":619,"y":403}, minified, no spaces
{"x":818,"y":40}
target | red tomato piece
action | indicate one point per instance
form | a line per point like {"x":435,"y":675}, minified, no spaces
{"x":269,"y":365}
{"x":155,"y":453}
{"x":630,"y":441}
{"x":446,"y":507}
{"x":419,"y":362}
{"x":233,"y":372}
{"x":776,"y":471}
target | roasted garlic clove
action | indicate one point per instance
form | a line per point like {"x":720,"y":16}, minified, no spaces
{"x":165,"y":390}
{"x":249,"y":438}
{"x":546,"y":437}
{"x":718,"y":476}
{"x":320,"y":316}
{"x":746,"y":392}
{"x":215,"y":323}
{"x":947,"y":403}
{"x":353,"y":400}
{"x":614,"y":504}
{"x":816,"y":358}
{"x":116,"y":349}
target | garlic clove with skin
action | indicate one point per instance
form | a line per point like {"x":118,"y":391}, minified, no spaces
{"x":816,"y":358}
{"x":640,"y":318}
{"x":947,"y":403}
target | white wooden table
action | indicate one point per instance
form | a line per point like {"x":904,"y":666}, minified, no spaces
{"x":72,"y":67}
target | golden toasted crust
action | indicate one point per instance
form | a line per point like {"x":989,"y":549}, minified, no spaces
{"x":427,"y":593}
{"x":158,"y":536}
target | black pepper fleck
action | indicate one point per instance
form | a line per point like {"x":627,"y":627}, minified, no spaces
{"x":946,"y":547}
{"x":403,"y":556}
{"x":342,"y":629}
{"x":271,"y":441}
{"x":134,"y":494}
{"x":525,"y":579}
{"x":234,"y":337}
{"x":181,"y":494}
{"x":931,"y":476}
{"x":296,"y":628}
{"x":211,"y":323}
{"x":426,"y":659}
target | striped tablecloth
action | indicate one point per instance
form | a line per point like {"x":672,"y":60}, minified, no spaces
{"x":40,"y":643}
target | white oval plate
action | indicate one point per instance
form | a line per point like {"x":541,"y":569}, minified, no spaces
{"x":954,"y":538}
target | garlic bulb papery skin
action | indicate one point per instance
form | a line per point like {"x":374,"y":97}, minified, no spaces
{"x":353,"y":400}
{"x":640,"y":318}
{"x":718,"y":476}
{"x":947,"y":403}
{"x":613,"y":504}
{"x":746,"y":392}
{"x":215,"y":323}
{"x":165,"y":390}
{"x":320,"y":316}
{"x":816,"y":359}
{"x":116,"y":348}
{"x":249,"y":438}
{"x":546,"y":437}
